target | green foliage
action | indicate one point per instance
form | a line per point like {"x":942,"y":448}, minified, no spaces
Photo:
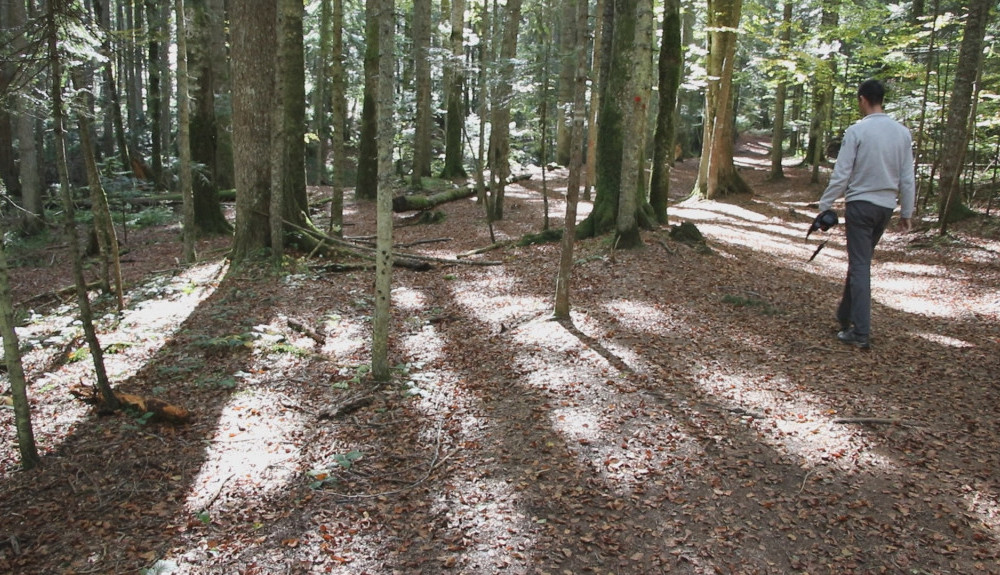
{"x":151,"y":217}
{"x":751,"y":301}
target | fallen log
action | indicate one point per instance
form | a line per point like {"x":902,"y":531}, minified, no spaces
{"x":159,"y":410}
{"x":419,"y":202}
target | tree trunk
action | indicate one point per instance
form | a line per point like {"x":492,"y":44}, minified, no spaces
{"x":157,"y":29}
{"x":383,"y":243}
{"x":621,"y":33}
{"x":422,"y":202}
{"x":184,"y":134}
{"x":671,"y":62}
{"x":455,"y":121}
{"x":338,"y":117}
{"x":823,"y":91}
{"x":69,"y":227}
{"x":422,"y":72}
{"x":320,"y":101}
{"x":32,"y":220}
{"x":780,"y":95}
{"x":717,"y":167}
{"x":956,"y":135}
{"x":103,"y":224}
{"x":292,"y":85}
{"x":633,"y":101}
{"x":210,"y":141}
{"x":562,"y":305}
{"x":253,"y":60}
{"x":367,"y":185}
{"x":567,"y":71}
{"x":600,"y":56}
{"x":499,"y":151}
{"x":15,"y":369}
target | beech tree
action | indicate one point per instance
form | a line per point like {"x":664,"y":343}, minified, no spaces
{"x":618,"y":98}
{"x":717,"y":175}
{"x":670,"y":67}
{"x":956,"y":135}
{"x":454,"y":95}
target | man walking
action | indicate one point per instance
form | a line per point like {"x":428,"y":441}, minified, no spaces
{"x":873,"y":169}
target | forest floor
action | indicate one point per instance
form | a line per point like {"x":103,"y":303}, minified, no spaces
{"x":697,"y":416}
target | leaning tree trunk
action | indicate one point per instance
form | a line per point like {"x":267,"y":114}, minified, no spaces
{"x":383,"y":242}
{"x":956,"y":135}
{"x":104,"y":227}
{"x":670,"y":63}
{"x":69,"y":228}
{"x":15,"y":369}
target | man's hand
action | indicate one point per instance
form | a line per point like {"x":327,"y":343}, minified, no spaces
{"x":905,"y":225}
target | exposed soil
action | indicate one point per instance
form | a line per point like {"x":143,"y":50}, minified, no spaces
{"x":697,"y":416}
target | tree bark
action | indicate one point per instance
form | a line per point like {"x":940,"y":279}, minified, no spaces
{"x":717,"y":172}
{"x":671,"y":62}
{"x":455,"y":120}
{"x":293,"y":89}
{"x":367,"y":185}
{"x":951,"y":206}
{"x":562,"y":304}
{"x":338,"y":117}
{"x":780,"y":95}
{"x":634,"y":103}
{"x":568,"y":44}
{"x":253,"y":49}
{"x":210,"y":141}
{"x":15,"y":369}
{"x":383,"y":243}
{"x":184,"y":134}
{"x":69,"y":224}
{"x":32,"y":220}
{"x":499,"y":150}
{"x":422,"y":72}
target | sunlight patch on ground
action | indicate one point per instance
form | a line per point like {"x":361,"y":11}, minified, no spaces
{"x":984,"y":505}
{"x":942,"y":339}
{"x":638,"y":315}
{"x":345,"y":338}
{"x":252,"y":445}
{"x":620,"y":437}
{"x":407,"y":298}
{"x":504,"y":306}
{"x":793,"y":420}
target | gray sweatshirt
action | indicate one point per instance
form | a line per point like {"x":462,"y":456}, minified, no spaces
{"x":875,"y":165}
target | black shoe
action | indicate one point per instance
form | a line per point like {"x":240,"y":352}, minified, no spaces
{"x":849,"y":337}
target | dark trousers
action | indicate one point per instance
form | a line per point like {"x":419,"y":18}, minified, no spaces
{"x":865,"y":223}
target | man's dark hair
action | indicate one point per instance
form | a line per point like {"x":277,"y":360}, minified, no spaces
{"x":873,"y":91}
